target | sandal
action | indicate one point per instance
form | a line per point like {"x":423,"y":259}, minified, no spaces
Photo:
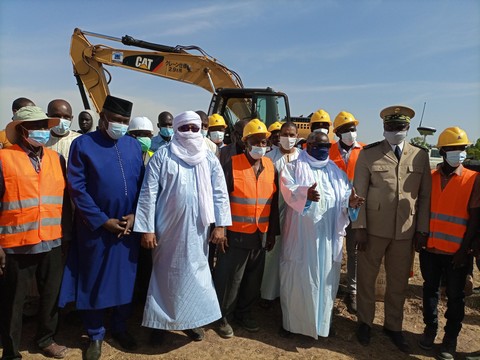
{"x":54,"y":350}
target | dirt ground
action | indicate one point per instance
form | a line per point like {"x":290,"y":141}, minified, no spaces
{"x":268,"y":344}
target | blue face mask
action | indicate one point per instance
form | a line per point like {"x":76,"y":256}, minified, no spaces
{"x":62,"y":128}
{"x":166,"y":132}
{"x":39,"y":136}
{"x":319,"y":153}
{"x":116,"y":130}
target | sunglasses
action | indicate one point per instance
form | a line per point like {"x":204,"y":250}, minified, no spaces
{"x":321,"y":145}
{"x":188,"y":127}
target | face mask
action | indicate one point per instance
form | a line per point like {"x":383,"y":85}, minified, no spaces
{"x":145,"y":143}
{"x":349,"y":138}
{"x":204,"y":132}
{"x":116,"y":130}
{"x":217,"y":136}
{"x":319,"y":153}
{"x":38,"y":137}
{"x":455,"y":158}
{"x":287,"y":142}
{"x":395,"y":137}
{"x":257,"y":152}
{"x":166,"y":132}
{"x":62,"y":128}
{"x":322,"y":130}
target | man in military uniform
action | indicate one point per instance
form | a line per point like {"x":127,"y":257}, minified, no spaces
{"x":394,"y":177}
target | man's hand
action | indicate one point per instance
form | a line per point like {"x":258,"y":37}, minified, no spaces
{"x":269,"y":242}
{"x":420,"y":241}
{"x":312,"y":194}
{"x":460,"y":258}
{"x":218,"y":237}
{"x":115,"y":226}
{"x":3,"y":262}
{"x":149,"y":240}
{"x":360,"y":237}
{"x":128,"y":221}
{"x":355,"y":201}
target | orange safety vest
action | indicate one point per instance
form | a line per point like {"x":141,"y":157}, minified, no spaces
{"x":251,"y":198}
{"x":31,"y":207}
{"x":449,"y":211}
{"x":336,"y":157}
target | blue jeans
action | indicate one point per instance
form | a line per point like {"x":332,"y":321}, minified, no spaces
{"x":432,"y":267}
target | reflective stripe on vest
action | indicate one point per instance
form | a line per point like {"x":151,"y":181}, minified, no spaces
{"x":449,"y":211}
{"x":31,"y":207}
{"x":251,"y":198}
{"x":336,"y":157}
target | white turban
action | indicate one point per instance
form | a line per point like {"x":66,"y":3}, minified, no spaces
{"x":190,"y":147}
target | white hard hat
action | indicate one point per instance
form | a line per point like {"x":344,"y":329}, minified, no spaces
{"x":140,"y":123}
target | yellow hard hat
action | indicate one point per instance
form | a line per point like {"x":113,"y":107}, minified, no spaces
{"x":343,"y":118}
{"x":320,"y":116}
{"x":216,"y":120}
{"x":276,"y":126}
{"x":255,"y":126}
{"x":452,"y":136}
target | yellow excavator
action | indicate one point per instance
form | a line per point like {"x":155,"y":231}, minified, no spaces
{"x":230,"y":99}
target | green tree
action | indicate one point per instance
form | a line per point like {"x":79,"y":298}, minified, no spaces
{"x":420,"y":141}
{"x":473,"y":151}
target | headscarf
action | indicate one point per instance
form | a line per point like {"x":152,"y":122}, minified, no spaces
{"x":94,"y":117}
{"x":304,"y":176}
{"x":191,"y":148}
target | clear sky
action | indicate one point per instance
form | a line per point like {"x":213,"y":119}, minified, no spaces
{"x":358,"y":56}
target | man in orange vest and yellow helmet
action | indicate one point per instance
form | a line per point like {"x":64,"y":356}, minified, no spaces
{"x":344,"y":153}
{"x":252,"y":184}
{"x":454,"y":219}
{"x":32,"y":190}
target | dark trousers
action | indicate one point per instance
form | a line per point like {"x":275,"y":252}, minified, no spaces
{"x":46,"y":268}
{"x":93,"y":321}
{"x":238,"y":277}
{"x":432,"y":267}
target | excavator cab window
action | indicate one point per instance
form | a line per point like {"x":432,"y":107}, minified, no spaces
{"x":270,"y":109}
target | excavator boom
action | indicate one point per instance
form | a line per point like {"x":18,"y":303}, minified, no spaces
{"x":230,"y":99}
{"x":173,"y":63}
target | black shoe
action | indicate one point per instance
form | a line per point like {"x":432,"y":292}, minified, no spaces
{"x":332,"y":332}
{"x":125,"y":340}
{"x":363,"y":334}
{"x":157,"y":337}
{"x":398,"y":340}
{"x":196,"y":334}
{"x":448,"y":348}
{"x":428,"y":337}
{"x":350,"y":301}
{"x":94,"y":350}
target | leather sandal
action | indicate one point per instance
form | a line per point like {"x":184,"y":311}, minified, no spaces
{"x":55,"y":351}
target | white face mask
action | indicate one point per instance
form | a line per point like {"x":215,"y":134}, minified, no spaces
{"x":217,"y":136}
{"x":116,"y":130}
{"x":349,"y":138}
{"x":322,"y":130}
{"x":287,"y":142}
{"x":455,"y":157}
{"x":204,"y":132}
{"x":395,"y":137}
{"x":257,"y":152}
{"x":62,"y":128}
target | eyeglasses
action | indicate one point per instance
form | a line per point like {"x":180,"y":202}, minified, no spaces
{"x":188,"y":127}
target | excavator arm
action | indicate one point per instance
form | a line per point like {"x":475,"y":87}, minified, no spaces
{"x":174,"y":63}
{"x":230,"y":99}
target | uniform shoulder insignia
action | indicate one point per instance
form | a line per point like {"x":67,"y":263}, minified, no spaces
{"x":421,"y":147}
{"x":372,"y":144}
